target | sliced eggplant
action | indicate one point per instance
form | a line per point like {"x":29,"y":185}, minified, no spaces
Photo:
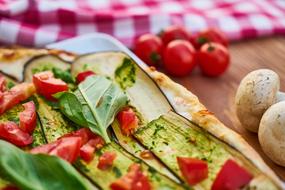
{"x":43,"y":63}
{"x":144,"y":94}
{"x":171,"y":136}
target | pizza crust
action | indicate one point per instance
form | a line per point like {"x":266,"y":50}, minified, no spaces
{"x":188,"y":105}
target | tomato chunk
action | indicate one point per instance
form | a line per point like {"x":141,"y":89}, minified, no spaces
{"x":10,"y":132}
{"x":133,"y":180}
{"x":83,"y":75}
{"x":28,"y":117}
{"x":2,"y":83}
{"x":15,"y":95}
{"x":128,"y":121}
{"x":231,"y":177}
{"x":66,"y":148}
{"x":193,"y":170}
{"x":84,"y":133}
{"x":87,"y":152}
{"x":47,"y":85}
{"x":106,"y":160}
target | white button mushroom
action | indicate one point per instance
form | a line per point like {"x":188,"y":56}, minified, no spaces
{"x":257,"y":91}
{"x":271,"y":133}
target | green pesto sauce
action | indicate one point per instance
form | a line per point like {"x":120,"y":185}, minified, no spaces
{"x":42,"y":67}
{"x":125,"y":74}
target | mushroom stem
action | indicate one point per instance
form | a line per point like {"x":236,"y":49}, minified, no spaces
{"x":280,"y":96}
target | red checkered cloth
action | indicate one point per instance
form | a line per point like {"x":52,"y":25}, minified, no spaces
{"x":40,"y":22}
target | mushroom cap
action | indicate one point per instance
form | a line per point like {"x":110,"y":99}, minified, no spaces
{"x":256,"y":93}
{"x":271,"y":133}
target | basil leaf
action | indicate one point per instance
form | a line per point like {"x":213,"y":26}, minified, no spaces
{"x":38,"y":172}
{"x":94,"y":104}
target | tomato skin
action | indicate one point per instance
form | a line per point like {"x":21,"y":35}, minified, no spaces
{"x":10,"y":132}
{"x":211,"y":35}
{"x":231,"y":177}
{"x":47,"y":85}
{"x":87,"y":152}
{"x":128,"y":121}
{"x":83,"y":75}
{"x":15,"y":95}
{"x":213,"y":59}
{"x":148,"y":47}
{"x":84,"y":133}
{"x":179,"y":58}
{"x":133,"y":180}
{"x":2,"y":83}
{"x":67,"y":148}
{"x":194,"y":170}
{"x":28,"y":117}
{"x":106,"y":160}
{"x":174,"y":33}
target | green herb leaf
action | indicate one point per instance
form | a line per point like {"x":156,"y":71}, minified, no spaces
{"x":94,"y":104}
{"x":125,"y":75}
{"x":34,"y":172}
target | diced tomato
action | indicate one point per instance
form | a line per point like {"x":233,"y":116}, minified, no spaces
{"x":83,"y":75}
{"x":15,"y":95}
{"x":47,"y":85}
{"x":231,"y":177}
{"x":87,"y":152}
{"x":66,"y":148}
{"x":193,"y":170}
{"x":84,"y":133}
{"x":28,"y":117}
{"x":97,"y":142}
{"x":128,"y":121}
{"x":2,"y":83}
{"x":46,"y":148}
{"x":10,"y":132}
{"x":106,"y":160}
{"x":133,"y":180}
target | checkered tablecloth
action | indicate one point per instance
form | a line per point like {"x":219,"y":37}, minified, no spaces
{"x":40,"y":22}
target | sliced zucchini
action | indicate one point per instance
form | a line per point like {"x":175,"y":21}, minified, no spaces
{"x":119,"y":168}
{"x":53,"y":122}
{"x":43,"y":63}
{"x":171,"y":136}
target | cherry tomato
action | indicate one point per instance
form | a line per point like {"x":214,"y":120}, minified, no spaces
{"x":28,"y":117}
{"x":83,"y":75}
{"x":148,"y":47}
{"x":10,"y":132}
{"x":15,"y":95}
{"x":210,"y":35}
{"x":106,"y":160}
{"x":179,"y":58}
{"x":133,"y":180}
{"x":47,"y":85}
{"x":213,"y":59}
{"x":231,"y":177}
{"x":128,"y":121}
{"x":193,"y":170}
{"x":67,"y":148}
{"x":174,"y":33}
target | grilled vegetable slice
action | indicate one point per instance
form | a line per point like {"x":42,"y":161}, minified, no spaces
{"x":119,"y":168}
{"x":172,"y":136}
{"x":142,"y":91}
{"x":54,"y":124}
{"x":43,"y":63}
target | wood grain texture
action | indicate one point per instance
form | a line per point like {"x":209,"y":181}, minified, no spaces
{"x":217,"y":94}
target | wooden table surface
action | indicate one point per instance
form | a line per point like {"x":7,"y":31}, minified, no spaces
{"x":217,"y":94}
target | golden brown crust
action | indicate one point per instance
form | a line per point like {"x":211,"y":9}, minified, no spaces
{"x":188,"y":105}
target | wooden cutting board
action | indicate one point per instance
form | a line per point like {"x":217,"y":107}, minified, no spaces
{"x":217,"y":94}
